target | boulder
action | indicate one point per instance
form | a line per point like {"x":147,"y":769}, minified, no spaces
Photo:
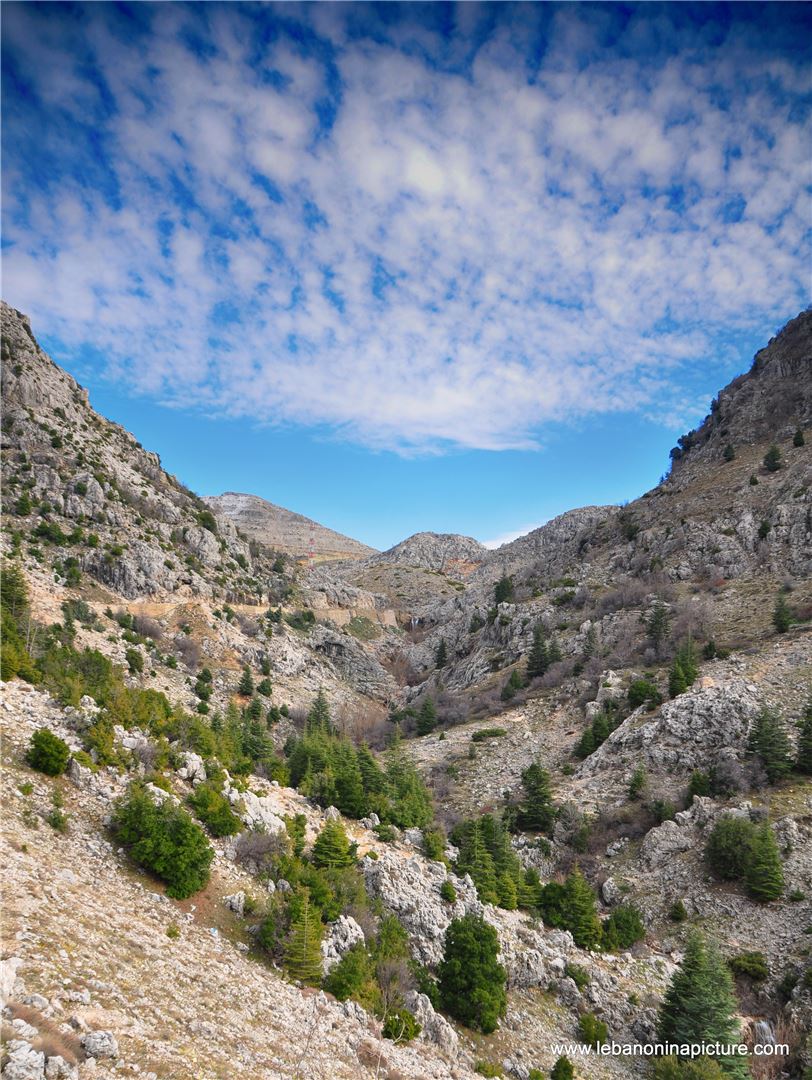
{"x":434,"y":1028}
{"x":100,"y":1044}
{"x":343,"y":934}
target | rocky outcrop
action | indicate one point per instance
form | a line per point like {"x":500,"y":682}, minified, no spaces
{"x":342,"y":935}
{"x":447,"y":553}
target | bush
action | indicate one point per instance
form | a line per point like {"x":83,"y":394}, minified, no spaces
{"x":579,"y":975}
{"x":164,"y":839}
{"x":752,"y":965}
{"x":623,"y":928}
{"x":728,"y":847}
{"x":400,"y":1026}
{"x":488,"y":733}
{"x":471,"y":979}
{"x":135,"y":661}
{"x":352,"y":975}
{"x":782,"y":616}
{"x":562,"y":1070}
{"x":214,"y":810}
{"x":678,"y":912}
{"x":487,"y":1068}
{"x":644,"y":692}
{"x":591,"y":1030}
{"x":48,"y":753}
{"x":448,"y":892}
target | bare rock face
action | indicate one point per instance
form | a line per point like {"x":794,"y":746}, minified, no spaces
{"x":447,"y":553}
{"x":283,"y":529}
{"x":344,"y":933}
{"x":691,"y":732}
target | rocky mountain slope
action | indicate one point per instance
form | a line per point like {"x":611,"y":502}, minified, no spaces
{"x":122,"y":563}
{"x":282,"y":529}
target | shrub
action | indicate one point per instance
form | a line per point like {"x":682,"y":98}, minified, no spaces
{"x":591,"y":1030}
{"x":400,"y":1026}
{"x":488,"y":733}
{"x":674,"y":1068}
{"x":352,"y":975}
{"x":173,"y":931}
{"x":623,"y":928}
{"x":214,"y":810}
{"x":487,"y":1068}
{"x":579,"y":975}
{"x":164,"y":839}
{"x":135,"y":661}
{"x":434,"y":844}
{"x":798,"y":438}
{"x":448,"y":892}
{"x":48,"y":753}
{"x":752,"y":965}
{"x":644,"y":692}
{"x":56,"y":818}
{"x":471,"y":979}
{"x":728,"y":847}
{"x":638,"y":782}
{"x":678,"y":912}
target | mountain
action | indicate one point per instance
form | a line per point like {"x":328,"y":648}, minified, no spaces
{"x":283,"y":529}
{"x":654,"y":659}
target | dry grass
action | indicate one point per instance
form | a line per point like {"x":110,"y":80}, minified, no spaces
{"x":51,"y":1040}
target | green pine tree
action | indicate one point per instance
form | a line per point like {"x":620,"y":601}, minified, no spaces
{"x":512,"y":686}
{"x":536,"y":811}
{"x":658,"y":625}
{"x":332,"y":848}
{"x":729,"y":452}
{"x":579,"y":907}
{"x":503,"y":591}
{"x":427,"y":717}
{"x":246,"y":687}
{"x":798,"y":438}
{"x":507,"y":892}
{"x":769,"y":742}
{"x":562,"y":1070}
{"x":471,"y":980}
{"x":763,"y":873}
{"x":441,"y":655}
{"x":700,"y":1005}
{"x":772,"y":459}
{"x":677,"y":683}
{"x":554,"y":650}
{"x":782,"y":616}
{"x":476,"y":860}
{"x":318,"y":719}
{"x":803,"y":762}
{"x":303,"y":947}
{"x":538,"y":659}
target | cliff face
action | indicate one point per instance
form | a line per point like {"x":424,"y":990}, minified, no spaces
{"x":283,"y":529}
{"x":769,"y":402}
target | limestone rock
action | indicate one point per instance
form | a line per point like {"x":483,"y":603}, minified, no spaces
{"x":100,"y":1044}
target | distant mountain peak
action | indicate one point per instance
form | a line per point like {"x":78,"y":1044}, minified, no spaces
{"x":284,"y":529}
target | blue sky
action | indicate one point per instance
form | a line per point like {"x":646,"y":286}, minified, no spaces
{"x":403,"y":267}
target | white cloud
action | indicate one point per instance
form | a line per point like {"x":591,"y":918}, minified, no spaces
{"x":458,"y":261}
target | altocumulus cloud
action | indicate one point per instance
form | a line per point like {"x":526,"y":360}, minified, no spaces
{"x":421,"y":227}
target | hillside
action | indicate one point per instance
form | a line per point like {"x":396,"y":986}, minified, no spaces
{"x":284,"y":530}
{"x":637,"y":656}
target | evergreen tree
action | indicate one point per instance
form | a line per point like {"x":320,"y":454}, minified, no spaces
{"x":729,"y":452}
{"x":554,"y":650}
{"x":804,"y":760}
{"x":658,"y":625}
{"x":471,"y":980}
{"x":246,"y":687}
{"x":427,"y":717}
{"x":303,"y":947}
{"x":562,"y":1070}
{"x":638,"y":782}
{"x":475,"y":859}
{"x":507,"y":892}
{"x":579,"y":906}
{"x":332,"y":848}
{"x":503,"y":592}
{"x":700,"y":1005}
{"x":538,"y":659}
{"x":772,"y":459}
{"x":677,"y":683}
{"x":798,"y":438}
{"x":514,"y":683}
{"x":318,"y":719}
{"x":763,"y":873}
{"x":782,"y":616}
{"x":769,"y":742}
{"x":728,"y":846}
{"x":441,"y":655}
{"x":536,"y":811}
